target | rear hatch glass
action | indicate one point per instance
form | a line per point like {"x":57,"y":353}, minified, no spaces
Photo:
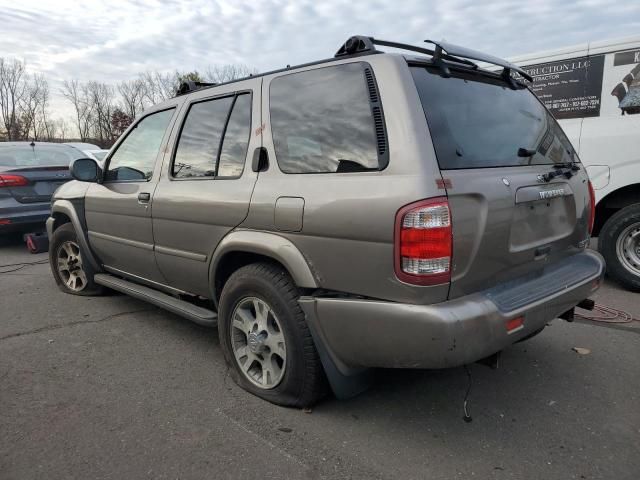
{"x":494,"y":144}
{"x":44,"y":167}
{"x":478,"y":122}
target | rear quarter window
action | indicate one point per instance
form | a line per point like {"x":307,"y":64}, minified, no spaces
{"x":323,"y":120}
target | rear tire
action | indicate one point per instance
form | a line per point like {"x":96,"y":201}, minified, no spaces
{"x":265,"y":338}
{"x":619,"y":244}
{"x":72,"y":274}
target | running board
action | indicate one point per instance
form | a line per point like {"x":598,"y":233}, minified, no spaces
{"x":196,"y":314}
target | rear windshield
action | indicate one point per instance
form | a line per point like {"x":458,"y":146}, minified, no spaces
{"x":477,"y":121}
{"x":37,"y":156}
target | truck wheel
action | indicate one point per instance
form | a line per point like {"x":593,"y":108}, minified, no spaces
{"x":71,"y":273}
{"x":265,"y":338}
{"x":619,"y":244}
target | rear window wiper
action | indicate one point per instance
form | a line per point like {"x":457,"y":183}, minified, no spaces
{"x":565,"y":169}
{"x":571,"y":165}
{"x":525,"y":152}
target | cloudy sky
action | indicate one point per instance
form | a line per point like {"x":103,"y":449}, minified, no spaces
{"x":112,"y":40}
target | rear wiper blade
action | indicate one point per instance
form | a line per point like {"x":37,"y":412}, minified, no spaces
{"x":561,"y":170}
{"x":525,"y":152}
{"x":572,"y":165}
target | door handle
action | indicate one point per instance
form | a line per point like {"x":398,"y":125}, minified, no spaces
{"x":260,"y":161}
{"x":144,"y":197}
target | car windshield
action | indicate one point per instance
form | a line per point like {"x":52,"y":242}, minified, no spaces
{"x":38,"y":156}
{"x":478,"y":121}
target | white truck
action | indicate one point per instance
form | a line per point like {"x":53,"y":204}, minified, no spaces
{"x":593,"y":90}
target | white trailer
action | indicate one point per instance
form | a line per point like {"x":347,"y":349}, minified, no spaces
{"x":593,"y":90}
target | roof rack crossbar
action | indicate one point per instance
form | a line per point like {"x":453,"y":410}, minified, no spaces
{"x":457,"y":51}
{"x":189,"y":86}
{"x":362,"y":45}
{"x":437,"y":53}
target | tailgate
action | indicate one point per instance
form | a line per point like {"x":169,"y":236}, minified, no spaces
{"x":39,"y":182}
{"x":519,"y":198}
{"x":508,"y":225}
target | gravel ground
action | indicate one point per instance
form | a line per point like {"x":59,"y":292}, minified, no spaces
{"x":110,"y":387}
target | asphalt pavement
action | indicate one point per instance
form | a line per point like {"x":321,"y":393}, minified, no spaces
{"x":110,"y":387}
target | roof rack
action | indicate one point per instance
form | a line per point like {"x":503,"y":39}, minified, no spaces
{"x":189,"y":86}
{"x":362,"y":45}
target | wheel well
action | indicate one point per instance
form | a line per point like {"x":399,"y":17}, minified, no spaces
{"x":231,"y":262}
{"x":59,"y":220}
{"x":614,"y":201}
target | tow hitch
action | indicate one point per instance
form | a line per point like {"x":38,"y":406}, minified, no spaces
{"x":492,"y":361}
{"x":586,"y":304}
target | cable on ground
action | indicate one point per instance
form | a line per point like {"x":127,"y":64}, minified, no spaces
{"x":605,"y":314}
{"x":20,"y":266}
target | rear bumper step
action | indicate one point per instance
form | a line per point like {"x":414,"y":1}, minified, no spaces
{"x":196,"y":314}
{"x":360,"y":333}
{"x":515,"y":294}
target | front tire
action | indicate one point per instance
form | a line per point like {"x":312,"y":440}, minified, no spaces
{"x":72,"y":274}
{"x":619,"y":244}
{"x":265,"y":338}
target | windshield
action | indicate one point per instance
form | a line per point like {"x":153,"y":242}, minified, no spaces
{"x":38,"y":156}
{"x":477,"y":121}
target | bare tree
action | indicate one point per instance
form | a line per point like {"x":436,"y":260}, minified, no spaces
{"x":132,"y":94}
{"x":50,"y":129}
{"x":78,"y":95}
{"x":34,"y":108}
{"x":103,"y":111}
{"x":227,"y":72}
{"x":42,"y":114}
{"x":12,"y":91}
{"x":158,"y":86}
{"x":102,"y":99}
{"x":62,"y":129}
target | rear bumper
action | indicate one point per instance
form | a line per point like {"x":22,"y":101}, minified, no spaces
{"x":22,"y":220}
{"x":364,"y":333}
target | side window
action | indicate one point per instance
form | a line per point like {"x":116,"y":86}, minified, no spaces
{"x":236,"y":139}
{"x":322,"y":120}
{"x":135,"y":157}
{"x":199,"y":142}
{"x":202,"y":151}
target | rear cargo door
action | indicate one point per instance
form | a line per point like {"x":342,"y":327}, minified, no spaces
{"x":496,"y":146}
{"x":35,"y":172}
{"x":39,"y":182}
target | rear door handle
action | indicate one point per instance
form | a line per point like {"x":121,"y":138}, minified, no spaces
{"x":260,"y":161}
{"x":144,"y":197}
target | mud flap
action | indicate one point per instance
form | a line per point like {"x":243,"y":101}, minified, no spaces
{"x":345,"y":385}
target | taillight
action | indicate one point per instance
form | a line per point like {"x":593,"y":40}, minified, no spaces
{"x":592,"y":207}
{"x":514,"y":324}
{"x":7,"y":180}
{"x":423,"y":242}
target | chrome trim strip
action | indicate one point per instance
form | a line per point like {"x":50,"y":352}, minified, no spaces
{"x":124,"y":241}
{"x":198,"y":257}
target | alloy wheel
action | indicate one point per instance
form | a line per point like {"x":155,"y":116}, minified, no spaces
{"x":258,"y":342}
{"x":70,"y":269}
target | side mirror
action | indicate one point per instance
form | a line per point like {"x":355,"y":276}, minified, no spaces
{"x":85,"y":170}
